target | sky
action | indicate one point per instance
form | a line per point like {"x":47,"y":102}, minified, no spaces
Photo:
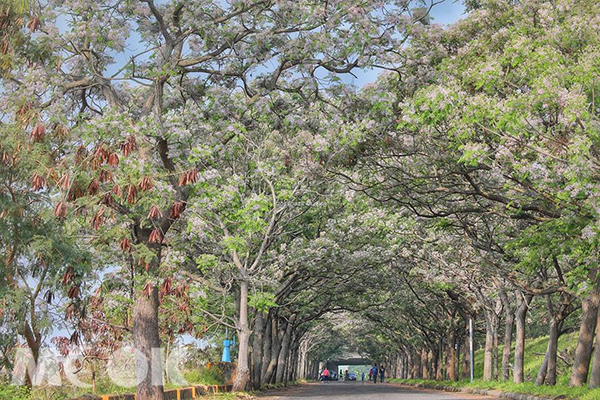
{"x":445,"y":13}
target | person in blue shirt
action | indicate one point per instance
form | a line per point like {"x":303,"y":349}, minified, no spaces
{"x":375,"y":373}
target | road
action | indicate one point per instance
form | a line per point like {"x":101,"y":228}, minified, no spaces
{"x":364,"y":391}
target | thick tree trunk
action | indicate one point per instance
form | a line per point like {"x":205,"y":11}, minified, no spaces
{"x":147,"y":342}
{"x":595,"y":375}
{"x":465,"y":372}
{"x":257,"y":349}
{"x":425,"y":363}
{"x":439,"y":370}
{"x":275,"y":348}
{"x":266,"y":357}
{"x":283,"y":353}
{"x":243,"y":366}
{"x":490,"y":359}
{"x":451,"y":360}
{"x":417,"y":366}
{"x":519,"y":365}
{"x":583,"y":351}
{"x":509,"y":322}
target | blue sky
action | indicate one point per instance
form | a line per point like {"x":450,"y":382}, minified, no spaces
{"x":445,"y":13}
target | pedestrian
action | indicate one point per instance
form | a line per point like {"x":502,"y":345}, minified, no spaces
{"x":374,"y":371}
{"x":381,"y":373}
{"x":362,"y":378}
{"x":371,"y":374}
{"x":325,"y":374}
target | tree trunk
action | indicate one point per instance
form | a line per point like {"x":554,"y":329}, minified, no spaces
{"x":439,"y":371}
{"x":266,"y":357}
{"x":508,"y":333}
{"x":243,"y":367}
{"x":283,"y":353}
{"x":465,"y":372}
{"x":275,"y":348}
{"x":583,"y":351}
{"x":33,"y":340}
{"x":490,"y":359}
{"x":595,"y":375}
{"x":147,"y":341}
{"x":522,"y":307}
{"x":425,"y":363}
{"x":257,"y":347}
{"x":451,"y":361}
{"x":547,"y":371}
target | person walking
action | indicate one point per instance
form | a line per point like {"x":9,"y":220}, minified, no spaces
{"x":325,"y":374}
{"x":374,"y":371}
{"x":371,"y":374}
{"x":362,"y":377}
{"x":381,"y":373}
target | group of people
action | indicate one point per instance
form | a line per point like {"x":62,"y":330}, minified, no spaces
{"x":376,"y":372}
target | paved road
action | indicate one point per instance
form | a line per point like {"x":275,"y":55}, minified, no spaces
{"x":364,"y":391}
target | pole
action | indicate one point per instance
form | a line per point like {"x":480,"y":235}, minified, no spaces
{"x":471,"y":346}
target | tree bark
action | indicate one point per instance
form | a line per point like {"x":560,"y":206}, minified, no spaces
{"x":509,"y":323}
{"x":283,"y":353}
{"x":583,"y":351}
{"x":595,"y":375}
{"x":439,"y":371}
{"x":243,"y":367}
{"x":488,"y":352}
{"x":522,"y":307}
{"x":257,"y":349}
{"x":425,"y":363}
{"x":267,"y":342}
{"x":466,"y":366}
{"x":451,"y":361}
{"x":275,"y":348}
{"x":146,"y":341}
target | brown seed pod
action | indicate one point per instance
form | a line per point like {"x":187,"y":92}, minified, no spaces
{"x":154,"y":213}
{"x":145,"y":183}
{"x":155,"y":236}
{"x":38,"y":182}
{"x":38,"y":132}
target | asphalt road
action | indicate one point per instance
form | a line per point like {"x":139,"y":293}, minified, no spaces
{"x":364,"y":391}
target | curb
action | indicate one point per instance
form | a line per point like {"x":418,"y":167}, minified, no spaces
{"x":483,"y":392}
{"x":184,"y":393}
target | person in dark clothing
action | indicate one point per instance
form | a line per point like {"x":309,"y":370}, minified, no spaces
{"x":381,"y":373}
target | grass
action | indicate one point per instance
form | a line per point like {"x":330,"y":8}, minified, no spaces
{"x":201,"y":376}
{"x":534,"y":355}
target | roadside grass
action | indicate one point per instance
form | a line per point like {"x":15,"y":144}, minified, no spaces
{"x":534,"y":355}
{"x":104,"y":386}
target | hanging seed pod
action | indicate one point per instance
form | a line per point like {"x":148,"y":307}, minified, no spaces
{"x":155,"y":236}
{"x":145,"y":183}
{"x":113,"y":159}
{"x":64,"y":182}
{"x":93,"y":187}
{"x":34,"y":24}
{"x":60,"y":210}
{"x":38,"y":132}
{"x":154,"y":213}
{"x":125,"y":244}
{"x":131,"y":194}
{"x":38,"y":182}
